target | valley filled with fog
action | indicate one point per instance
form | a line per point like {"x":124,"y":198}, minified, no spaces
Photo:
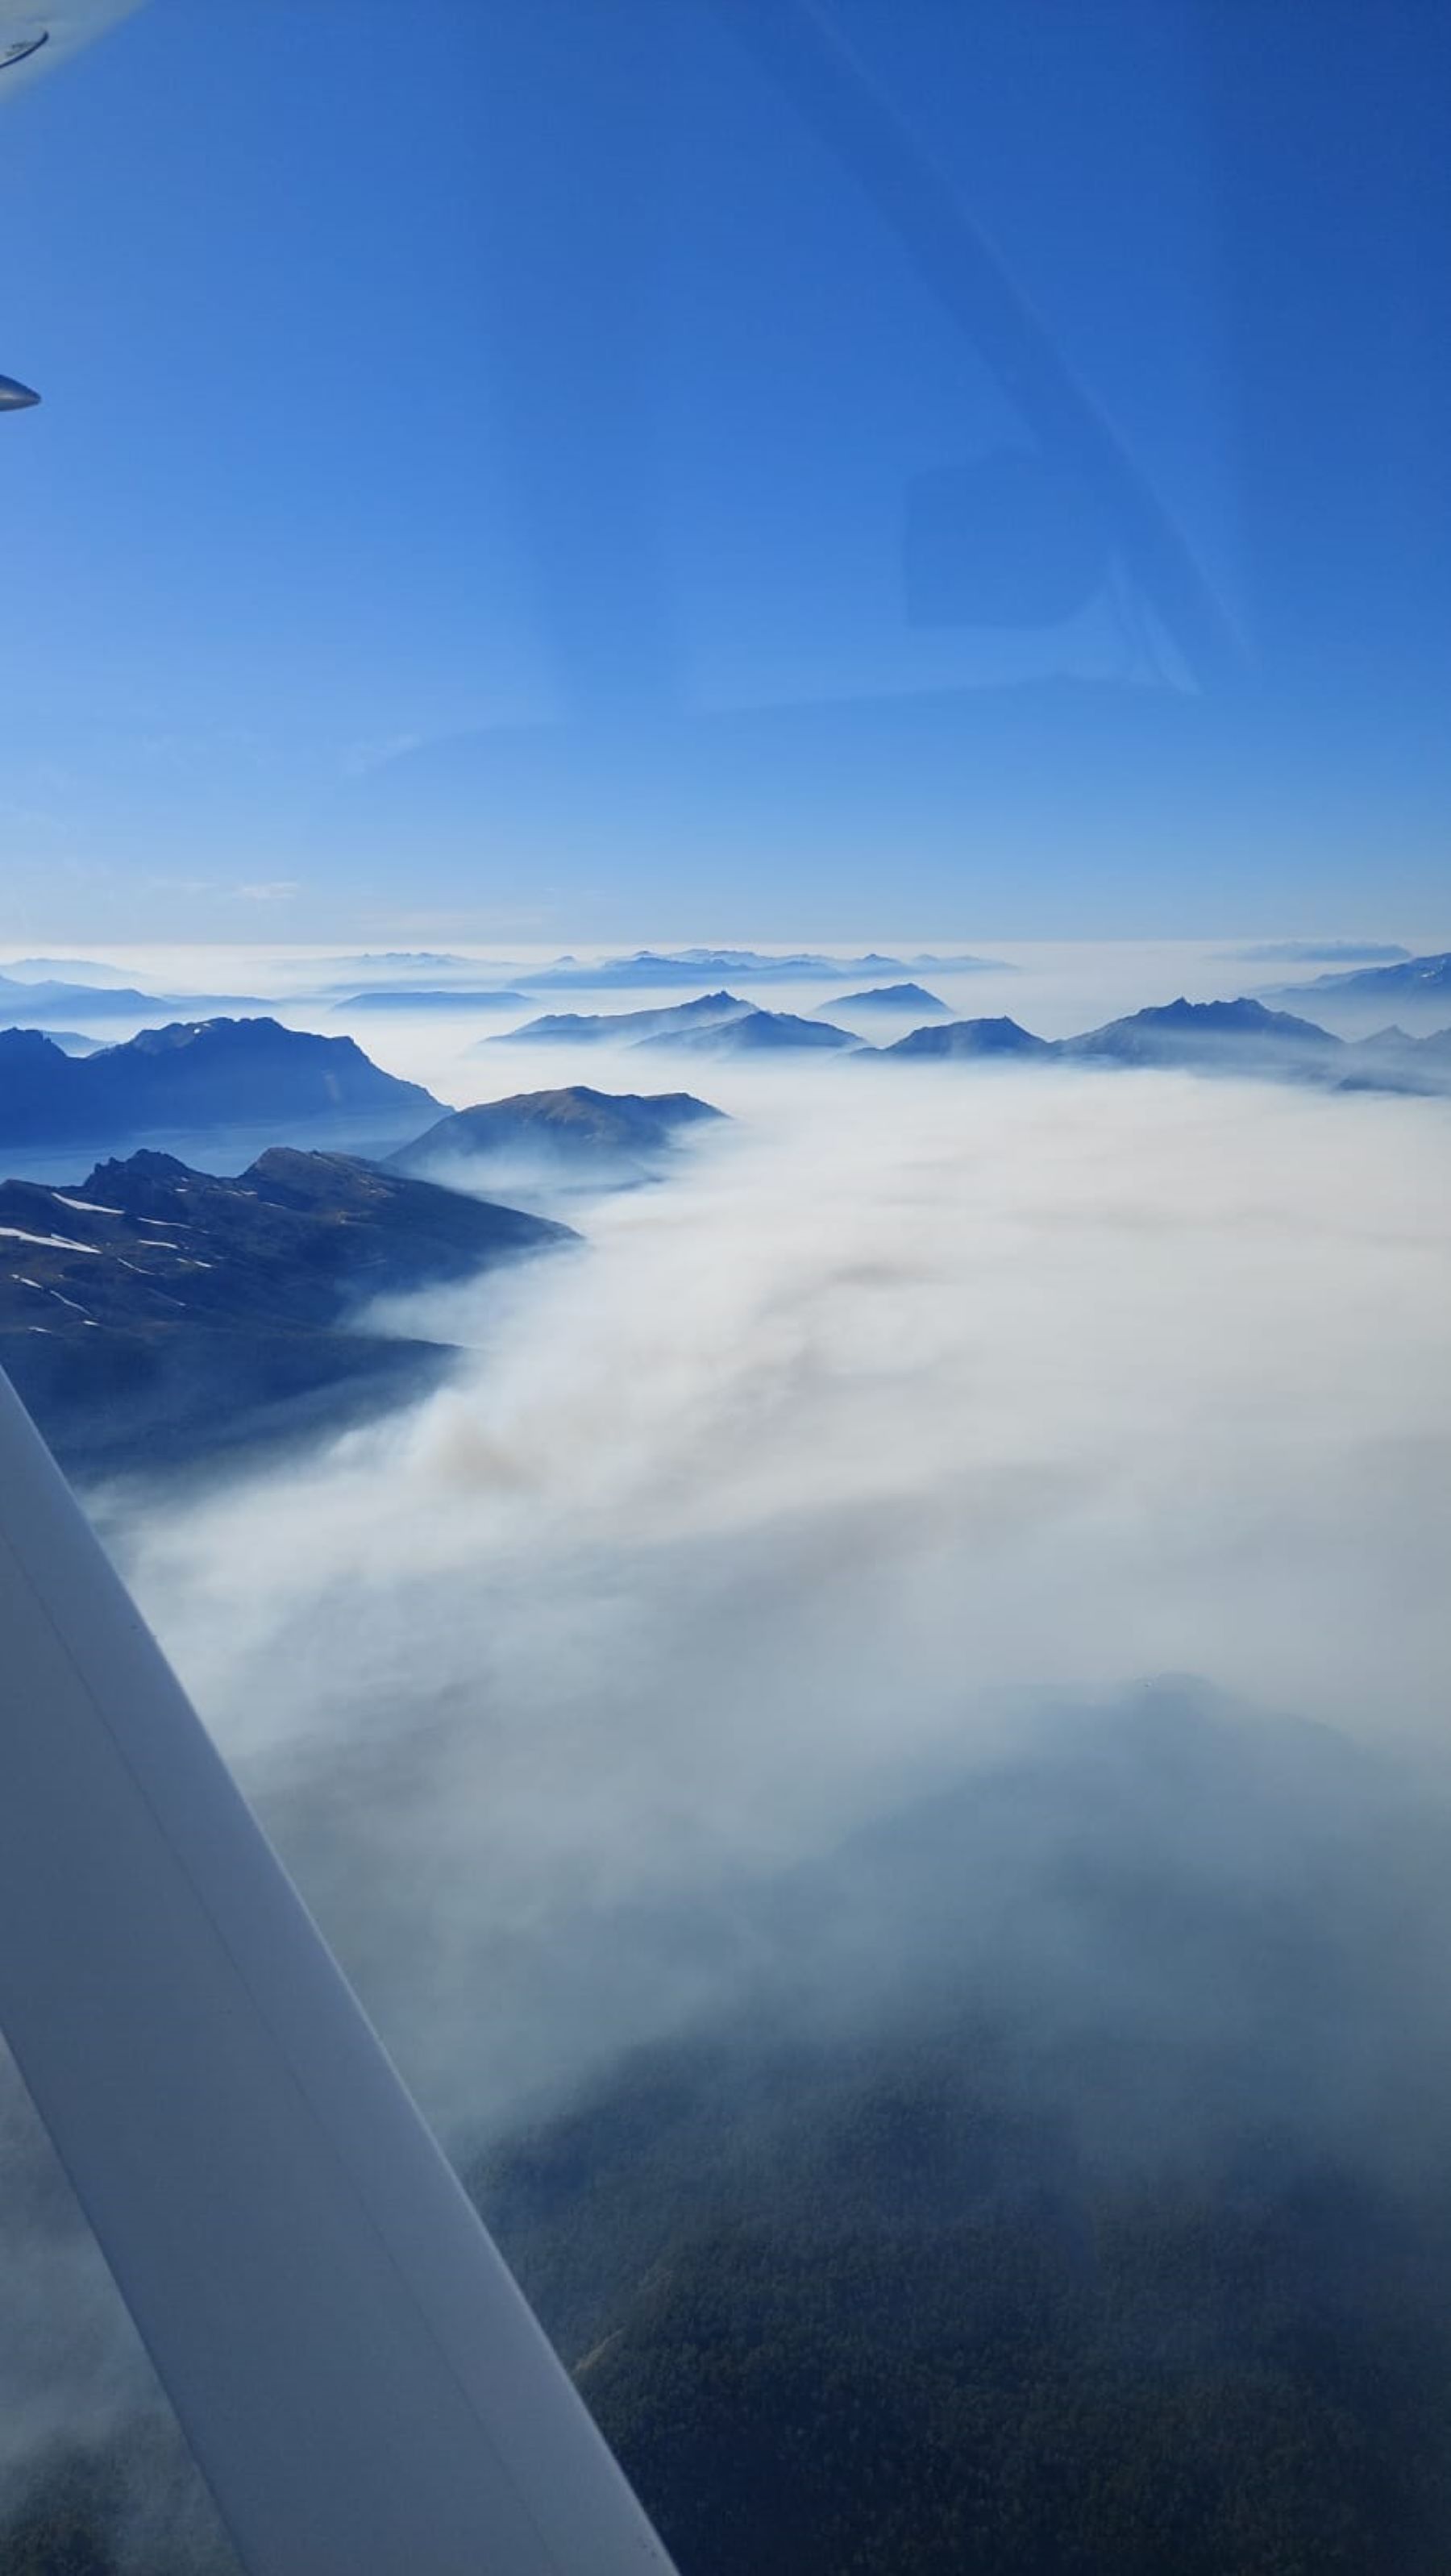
{"x":943,"y":1589}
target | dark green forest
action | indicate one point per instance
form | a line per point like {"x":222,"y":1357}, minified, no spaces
{"x":1068,"y":2200}
{"x":864,"y":2315}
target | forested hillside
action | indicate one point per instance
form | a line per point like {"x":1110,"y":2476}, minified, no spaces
{"x":870,"y":2312}
{"x":1062,"y":2190}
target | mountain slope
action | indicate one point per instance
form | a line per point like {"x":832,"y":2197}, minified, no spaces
{"x":753,"y":1033}
{"x":1053,"y":2181}
{"x":594,"y":1028}
{"x":70,"y":1041}
{"x":1000,"y":1037}
{"x":1417,"y":991}
{"x":891,"y":1000}
{"x":1206,"y":1035}
{"x":1209,"y":1037}
{"x":597,"y":1137}
{"x":155,"y":1311}
{"x":48,"y":1000}
{"x":196,"y":1075}
{"x":1413,"y":975}
{"x":1017,"y":2219}
{"x":85,"y":971}
{"x":1389,"y":1060}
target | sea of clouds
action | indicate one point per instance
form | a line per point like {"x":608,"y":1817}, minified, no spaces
{"x":917,"y":1401}
{"x":912,"y":1392}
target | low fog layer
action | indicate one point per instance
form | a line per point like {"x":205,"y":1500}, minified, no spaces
{"x":911,"y":1425}
{"x":892,"y":1405}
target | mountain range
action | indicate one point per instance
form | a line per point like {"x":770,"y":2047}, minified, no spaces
{"x":627,"y":1028}
{"x":155,"y":1312}
{"x":1407,"y":975}
{"x":1320,"y":952}
{"x":751,"y":1032}
{"x":88,"y":971}
{"x":1203,"y":1033}
{"x":250,"y":1081}
{"x":437,"y":961}
{"x":204,"y":1076}
{"x":1359,"y":1001}
{"x":682,"y":965}
{"x":419,"y":997}
{"x":1390,"y":1060}
{"x":712,"y":1024}
{"x":45,"y":1000}
{"x":1240,"y":1037}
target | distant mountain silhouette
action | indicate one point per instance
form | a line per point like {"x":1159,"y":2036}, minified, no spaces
{"x":1414,"y":975}
{"x":596,"y":1028}
{"x":741,"y":964}
{"x":1205,"y":1033}
{"x":154,"y":1312}
{"x":45,"y":1001}
{"x":1417,"y":991}
{"x":60,"y":970}
{"x":1389,"y":1060}
{"x":1320,"y":952}
{"x":50,"y":1001}
{"x":999,"y":1037}
{"x":1241,"y":1036}
{"x":890,"y":999}
{"x":574,"y":1135}
{"x":430,"y":957}
{"x":682,"y":965}
{"x":754,"y":1033}
{"x":70,"y":1041}
{"x":415,"y":997}
{"x":197,"y":1076}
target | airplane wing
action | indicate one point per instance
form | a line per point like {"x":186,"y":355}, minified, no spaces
{"x":34,"y":41}
{"x":360,"y":2379}
{"x":35,"y":38}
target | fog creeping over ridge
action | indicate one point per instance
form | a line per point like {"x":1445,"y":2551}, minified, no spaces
{"x":925,"y":1427}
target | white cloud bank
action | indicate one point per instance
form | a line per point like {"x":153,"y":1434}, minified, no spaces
{"x":918,"y":1397}
{"x":915,"y":1391}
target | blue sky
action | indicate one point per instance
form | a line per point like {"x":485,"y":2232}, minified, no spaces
{"x":486,"y":448}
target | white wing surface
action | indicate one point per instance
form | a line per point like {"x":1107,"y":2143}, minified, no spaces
{"x":361,"y":2381}
{"x":36,"y":39}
